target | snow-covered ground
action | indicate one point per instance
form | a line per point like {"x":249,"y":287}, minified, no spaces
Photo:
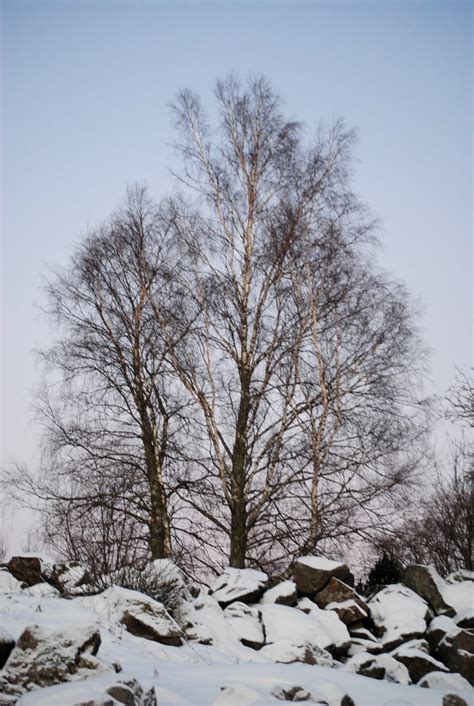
{"x":225,"y":674}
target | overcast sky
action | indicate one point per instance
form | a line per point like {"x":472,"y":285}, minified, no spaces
{"x":85,"y":89}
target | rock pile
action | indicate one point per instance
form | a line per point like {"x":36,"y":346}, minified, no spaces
{"x":420,"y":631}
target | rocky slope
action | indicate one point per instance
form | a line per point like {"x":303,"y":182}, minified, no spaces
{"x":246,"y":640}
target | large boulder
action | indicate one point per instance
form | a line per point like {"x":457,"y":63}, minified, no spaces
{"x":30,"y":568}
{"x":381,"y":666}
{"x":245,"y":585}
{"x":453,"y":646}
{"x":42,"y":658}
{"x":399,"y":614}
{"x":312,"y":573}
{"x":427,"y":583}
{"x":245,"y":622}
{"x":284,"y":593}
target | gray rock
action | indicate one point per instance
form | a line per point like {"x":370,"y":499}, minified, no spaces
{"x":312,"y":574}
{"x":453,"y":700}
{"x":291,"y":693}
{"x":427,"y":583}
{"x":152,"y":623}
{"x":453,"y":646}
{"x":28,"y":569}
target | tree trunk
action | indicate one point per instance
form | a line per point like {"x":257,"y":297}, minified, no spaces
{"x":160,"y":535}
{"x":238,"y":539}
{"x":159,"y":524}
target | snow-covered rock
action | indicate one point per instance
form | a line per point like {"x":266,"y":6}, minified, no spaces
{"x":297,"y":650}
{"x":359,"y":644}
{"x":284,"y":593}
{"x":69,"y":576}
{"x":444,"y":680}
{"x":246,"y":585}
{"x":465,"y":618}
{"x":43,"y":658}
{"x":399,"y":614}
{"x":233,"y":694}
{"x":209,"y":626}
{"x":417,"y":661}
{"x":246,"y":624}
{"x":427,"y":583}
{"x":337,"y":595}
{"x":139,"y":614}
{"x":459,"y":594}
{"x":312,"y":573}
{"x":453,"y":646}
{"x":103,"y":691}
{"x":459,"y":576}
{"x":7,"y":643}
{"x":380,"y":666}
{"x":30,"y":568}
{"x":309,"y":624}
{"x":8,"y":583}
{"x":454,"y":700}
{"x":41,"y":590}
{"x":349,"y":612}
{"x":329,"y":694}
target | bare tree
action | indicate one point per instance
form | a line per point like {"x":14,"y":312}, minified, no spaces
{"x":438,"y":526}
{"x":299,"y":362}
{"x":233,"y":378}
{"x":109,"y":409}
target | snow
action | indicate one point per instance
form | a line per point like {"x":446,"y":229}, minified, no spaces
{"x":400,"y":612}
{"x":319,"y":562}
{"x":41,"y":589}
{"x":329,"y":628}
{"x":459,"y":595}
{"x":8,"y":583}
{"x":445,"y":624}
{"x":317,"y":627}
{"x":245,"y":622}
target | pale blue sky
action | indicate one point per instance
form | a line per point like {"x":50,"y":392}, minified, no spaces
{"x":85,"y":87}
